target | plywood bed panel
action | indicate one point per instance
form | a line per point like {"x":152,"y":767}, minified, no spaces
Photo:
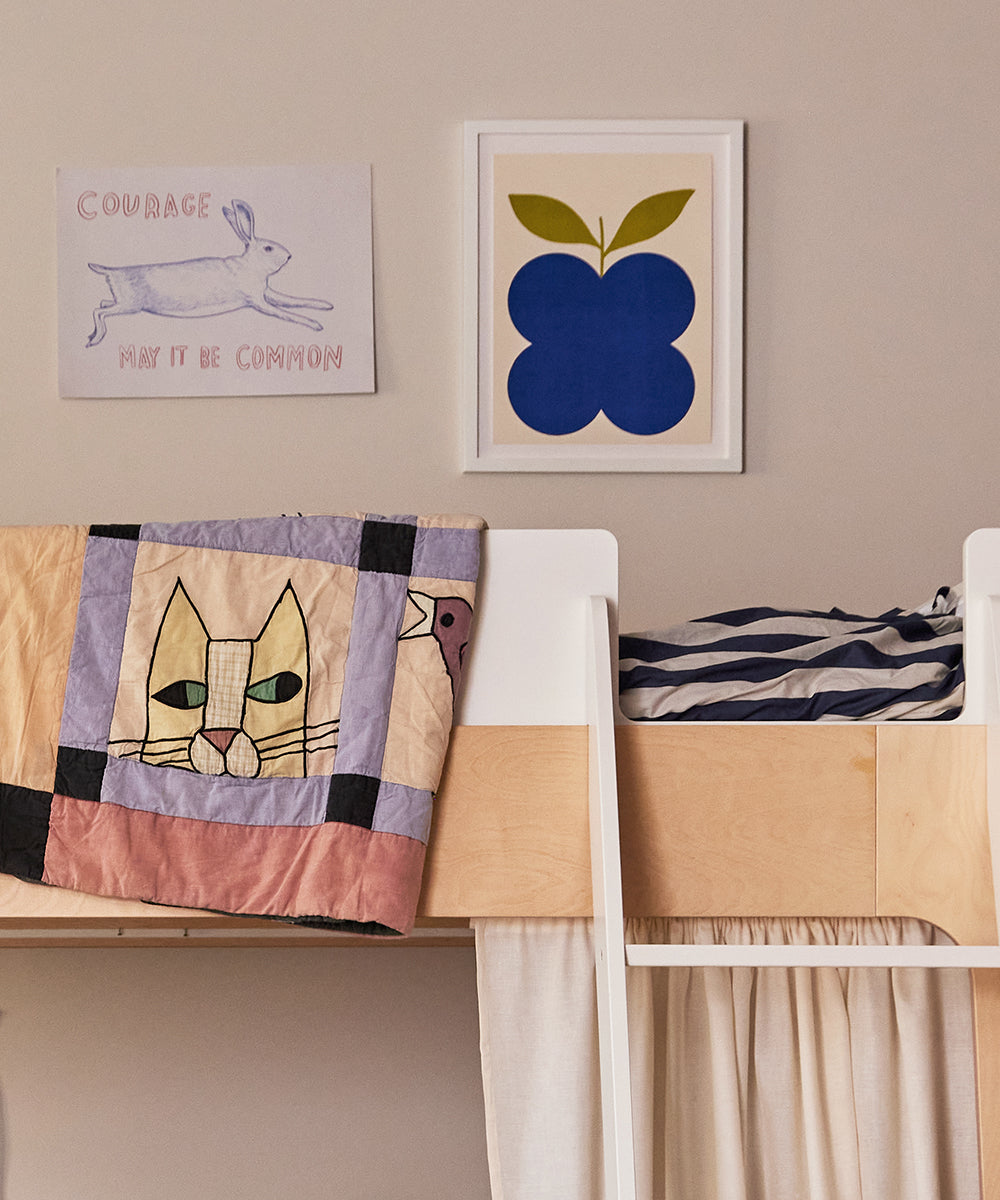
{"x":933,"y":837}
{"x":714,"y":819}
{"x":510,"y":835}
{"x":840,"y":820}
{"x":933,"y":861}
{"x":746,"y":820}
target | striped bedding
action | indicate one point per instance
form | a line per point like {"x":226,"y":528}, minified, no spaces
{"x":766,"y":664}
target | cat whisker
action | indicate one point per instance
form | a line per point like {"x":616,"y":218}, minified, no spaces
{"x":296,"y":747}
{"x":262,"y":743}
{"x":334,"y":725}
{"x":319,"y":737}
{"x":323,"y":734}
{"x":159,"y":758}
{"x":323,"y":746}
{"x":322,"y":729}
{"x":134,"y":748}
{"x":279,"y":751}
{"x":172,"y":741}
{"x":295,"y":750}
{"x":312,"y":745}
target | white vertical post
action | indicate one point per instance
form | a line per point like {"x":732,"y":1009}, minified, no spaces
{"x":981,"y":573}
{"x":993,"y":756}
{"x":609,"y":941}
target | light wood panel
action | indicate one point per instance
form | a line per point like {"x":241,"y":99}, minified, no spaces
{"x":511,"y":833}
{"x":934,"y":862}
{"x":21,"y":902}
{"x":715,"y":819}
{"x":32,"y":915}
{"x":738,"y":820}
{"x":933,"y":844}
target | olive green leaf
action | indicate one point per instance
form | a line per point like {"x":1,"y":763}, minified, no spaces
{"x":650,"y":217}
{"x":551,"y":219}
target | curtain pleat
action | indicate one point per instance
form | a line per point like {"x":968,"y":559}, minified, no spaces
{"x":747,"y":1083}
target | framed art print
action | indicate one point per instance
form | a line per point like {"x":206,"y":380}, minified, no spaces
{"x":604,"y":283}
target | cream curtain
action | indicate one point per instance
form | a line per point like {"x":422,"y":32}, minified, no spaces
{"x":748,"y":1084}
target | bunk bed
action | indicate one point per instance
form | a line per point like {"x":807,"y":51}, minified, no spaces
{"x":551,"y":804}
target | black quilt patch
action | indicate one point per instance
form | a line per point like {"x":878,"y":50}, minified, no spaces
{"x":80,"y":773}
{"x":351,"y":799}
{"x":24,"y":830}
{"x":125,"y":533}
{"x":387,"y":546}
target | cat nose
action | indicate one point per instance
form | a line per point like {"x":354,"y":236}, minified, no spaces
{"x":221,"y":739}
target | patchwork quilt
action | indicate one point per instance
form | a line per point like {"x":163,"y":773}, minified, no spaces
{"x":246,"y":716}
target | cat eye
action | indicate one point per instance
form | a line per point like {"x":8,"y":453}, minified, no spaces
{"x":277,"y":689}
{"x":184,"y":693}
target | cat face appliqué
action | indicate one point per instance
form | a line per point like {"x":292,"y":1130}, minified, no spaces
{"x":231,"y":706}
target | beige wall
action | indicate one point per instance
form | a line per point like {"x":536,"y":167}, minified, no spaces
{"x":240,"y":1075}
{"x":871,"y":410}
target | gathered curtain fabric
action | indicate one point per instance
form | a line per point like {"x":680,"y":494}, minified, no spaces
{"x":747,"y":1083}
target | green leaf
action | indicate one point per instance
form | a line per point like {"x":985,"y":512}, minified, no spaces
{"x":650,"y":217}
{"x":551,"y":219}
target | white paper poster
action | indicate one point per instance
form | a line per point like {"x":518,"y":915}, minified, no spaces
{"x":215,"y":281}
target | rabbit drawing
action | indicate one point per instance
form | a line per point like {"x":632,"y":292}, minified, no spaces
{"x":205,"y":287}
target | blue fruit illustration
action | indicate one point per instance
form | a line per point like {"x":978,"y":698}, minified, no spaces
{"x":600,"y":339}
{"x":601,"y":342}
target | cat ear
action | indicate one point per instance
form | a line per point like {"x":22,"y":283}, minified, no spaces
{"x":286,"y":616}
{"x":179,"y":652}
{"x":283,"y":643}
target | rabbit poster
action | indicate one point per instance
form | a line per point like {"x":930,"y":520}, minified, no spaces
{"x":215,"y":281}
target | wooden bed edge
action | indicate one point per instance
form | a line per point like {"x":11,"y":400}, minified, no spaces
{"x":204,"y":932}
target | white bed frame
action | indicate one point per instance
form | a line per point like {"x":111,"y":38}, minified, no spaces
{"x":574,"y":573}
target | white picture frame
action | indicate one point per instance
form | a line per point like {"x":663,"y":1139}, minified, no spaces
{"x":528,"y":183}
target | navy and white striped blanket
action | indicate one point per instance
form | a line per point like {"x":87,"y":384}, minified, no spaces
{"x":766,"y":664}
